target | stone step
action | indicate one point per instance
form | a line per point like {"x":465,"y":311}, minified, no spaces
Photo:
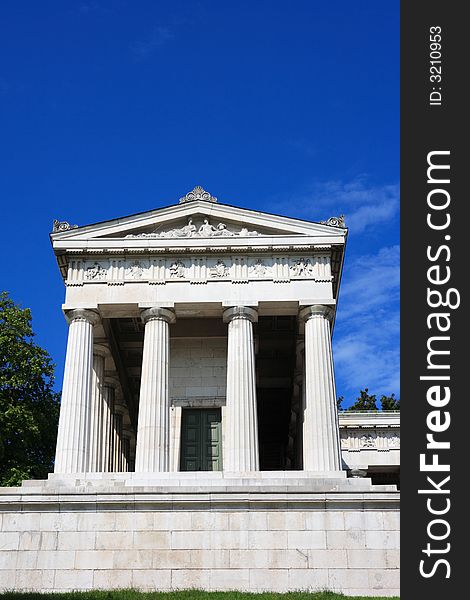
{"x":201,"y":487}
{"x":32,"y":483}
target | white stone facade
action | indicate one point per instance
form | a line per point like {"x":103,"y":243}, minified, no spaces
{"x":370,"y":445}
{"x":275,"y":533}
{"x":199,"y":443}
{"x":172,"y":276}
{"x":198,"y":368}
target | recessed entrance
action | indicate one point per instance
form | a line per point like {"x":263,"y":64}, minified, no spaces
{"x":275,"y":363}
{"x":201,"y":439}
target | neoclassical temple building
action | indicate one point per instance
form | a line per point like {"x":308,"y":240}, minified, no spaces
{"x":198,"y":334}
{"x":199,"y":443}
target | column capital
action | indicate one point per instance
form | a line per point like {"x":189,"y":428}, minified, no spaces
{"x":111,"y":381}
{"x":316,"y":310}
{"x":240,"y":312}
{"x":119,"y":409}
{"x":127,"y":432}
{"x":83,"y":314}
{"x":158,"y":314}
{"x":120,"y":405}
{"x":101,"y":350}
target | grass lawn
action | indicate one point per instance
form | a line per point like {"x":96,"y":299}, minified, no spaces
{"x":183,"y":595}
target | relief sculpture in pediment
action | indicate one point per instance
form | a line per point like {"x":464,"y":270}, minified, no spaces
{"x":188,"y":230}
{"x":191,"y":231}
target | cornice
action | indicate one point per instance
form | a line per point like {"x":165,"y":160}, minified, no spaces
{"x":104,"y":248}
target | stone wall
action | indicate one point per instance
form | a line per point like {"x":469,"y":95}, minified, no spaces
{"x":255,"y":540}
{"x":198,"y":367}
{"x":198,"y":378}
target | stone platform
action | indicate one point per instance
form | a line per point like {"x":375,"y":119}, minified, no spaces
{"x":277,"y":531}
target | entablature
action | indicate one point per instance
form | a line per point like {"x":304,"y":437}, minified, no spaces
{"x":362,"y":431}
{"x":200,"y":241}
{"x":194,"y":268}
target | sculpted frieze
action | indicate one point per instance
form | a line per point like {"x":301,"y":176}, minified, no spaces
{"x":238,"y":268}
{"x":219,"y":270}
{"x":302,"y":267}
{"x":177,"y":269}
{"x":96,"y":272}
{"x":368,"y":440}
{"x":260,"y":269}
{"x":382,"y":440}
{"x":135,"y":270}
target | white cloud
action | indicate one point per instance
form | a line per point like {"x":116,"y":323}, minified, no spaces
{"x":363,"y":203}
{"x":366,"y":348}
{"x":371,"y":282}
{"x":384,"y":209}
{"x":367,"y":329}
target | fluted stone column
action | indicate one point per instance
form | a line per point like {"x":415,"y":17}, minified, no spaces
{"x":108,"y":427}
{"x":153,"y":429}
{"x":321,"y":447}
{"x":74,"y":421}
{"x":95,"y":443}
{"x":241,"y":434}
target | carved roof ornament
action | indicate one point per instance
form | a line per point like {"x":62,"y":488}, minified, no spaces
{"x":335,"y":222}
{"x":198,"y":193}
{"x":62,"y":226}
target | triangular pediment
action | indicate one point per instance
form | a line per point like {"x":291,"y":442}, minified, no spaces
{"x":198,"y":219}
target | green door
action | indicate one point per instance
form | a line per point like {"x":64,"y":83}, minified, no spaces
{"x":201,"y":439}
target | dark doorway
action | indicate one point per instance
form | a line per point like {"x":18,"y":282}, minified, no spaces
{"x":201,"y":439}
{"x":275,"y":362}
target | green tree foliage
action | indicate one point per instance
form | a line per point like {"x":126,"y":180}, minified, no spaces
{"x":368,"y":401}
{"x":365,"y":401}
{"x":390,"y":402}
{"x":29,"y":407}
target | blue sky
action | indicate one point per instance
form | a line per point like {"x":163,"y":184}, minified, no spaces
{"x":109,"y":108}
